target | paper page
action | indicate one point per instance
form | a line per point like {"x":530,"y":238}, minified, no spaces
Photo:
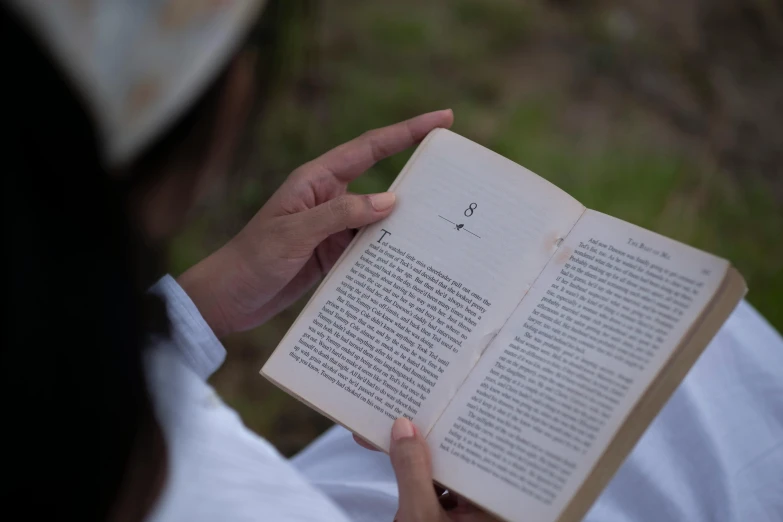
{"x":404,"y":316}
{"x":544,"y":402}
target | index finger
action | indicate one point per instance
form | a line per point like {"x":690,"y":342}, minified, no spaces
{"x":351,"y":159}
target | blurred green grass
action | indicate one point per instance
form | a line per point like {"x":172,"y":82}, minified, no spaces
{"x":380,"y":62}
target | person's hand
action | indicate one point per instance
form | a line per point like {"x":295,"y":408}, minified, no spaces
{"x":300,"y":232}
{"x":419,"y":500}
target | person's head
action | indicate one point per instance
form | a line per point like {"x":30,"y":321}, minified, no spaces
{"x":117,"y":115}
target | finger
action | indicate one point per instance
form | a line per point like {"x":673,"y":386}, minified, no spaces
{"x":351,"y":159}
{"x":410,"y":459}
{"x":341,"y":213}
{"x":364,"y":444}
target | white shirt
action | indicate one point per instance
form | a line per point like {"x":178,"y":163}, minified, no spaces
{"x":714,"y":453}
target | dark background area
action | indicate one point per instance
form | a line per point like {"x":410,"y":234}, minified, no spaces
{"x":665,"y":114}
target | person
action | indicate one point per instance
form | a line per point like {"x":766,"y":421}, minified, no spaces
{"x":121,"y":114}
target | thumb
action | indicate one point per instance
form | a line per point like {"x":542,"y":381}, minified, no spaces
{"x":346,"y":211}
{"x":410,"y":459}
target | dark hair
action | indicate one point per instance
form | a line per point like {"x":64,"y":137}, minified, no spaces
{"x":76,"y":314}
{"x":72,"y":366}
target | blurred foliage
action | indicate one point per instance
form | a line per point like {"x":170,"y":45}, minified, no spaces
{"x":640,"y":110}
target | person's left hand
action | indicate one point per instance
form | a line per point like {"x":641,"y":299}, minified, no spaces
{"x":300,"y":232}
{"x":419,"y":501}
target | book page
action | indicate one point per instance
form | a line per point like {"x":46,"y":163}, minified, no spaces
{"x":544,"y":402}
{"x":403,"y":317}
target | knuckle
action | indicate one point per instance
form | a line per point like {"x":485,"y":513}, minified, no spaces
{"x":300,"y":171}
{"x":369,"y":134}
{"x":342,"y":208}
{"x":307,"y":171}
{"x":376,"y":144}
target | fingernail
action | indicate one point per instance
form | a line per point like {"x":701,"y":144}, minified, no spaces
{"x":382,"y":201}
{"x":402,"y":429}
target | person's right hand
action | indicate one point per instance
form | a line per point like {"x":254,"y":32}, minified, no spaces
{"x":419,"y":502}
{"x":299,"y":234}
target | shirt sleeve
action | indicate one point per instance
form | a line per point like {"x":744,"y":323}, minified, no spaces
{"x":191,"y":336}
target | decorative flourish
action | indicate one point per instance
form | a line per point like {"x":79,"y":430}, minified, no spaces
{"x":459,"y":226}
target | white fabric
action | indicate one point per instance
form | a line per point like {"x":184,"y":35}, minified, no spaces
{"x":715,"y":453}
{"x":139,"y":63}
{"x":218,"y":470}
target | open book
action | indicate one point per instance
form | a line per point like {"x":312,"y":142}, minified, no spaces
{"x":530,"y":339}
